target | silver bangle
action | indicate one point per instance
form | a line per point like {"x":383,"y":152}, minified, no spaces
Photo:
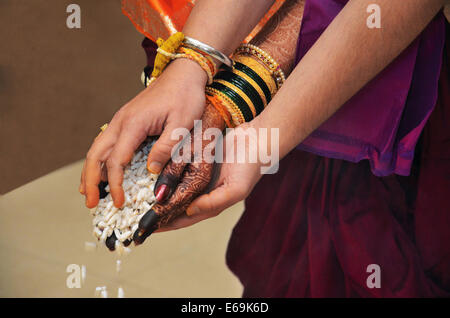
{"x":205,"y":48}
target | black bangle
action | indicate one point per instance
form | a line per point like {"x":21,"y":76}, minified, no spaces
{"x":244,"y":86}
{"x":238,"y":100}
{"x":254,"y":76}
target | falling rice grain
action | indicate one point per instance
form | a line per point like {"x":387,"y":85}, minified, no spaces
{"x":120,"y":293}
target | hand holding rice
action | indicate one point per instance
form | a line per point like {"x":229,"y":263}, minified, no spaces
{"x":116,"y":226}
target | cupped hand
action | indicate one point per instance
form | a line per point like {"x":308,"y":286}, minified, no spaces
{"x":234,"y":183}
{"x":173,"y":101}
{"x":182,"y":180}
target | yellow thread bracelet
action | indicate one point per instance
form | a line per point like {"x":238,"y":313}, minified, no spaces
{"x":170,"y":46}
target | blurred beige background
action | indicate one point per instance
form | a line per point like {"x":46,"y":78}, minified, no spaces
{"x":43,"y":229}
{"x":59,"y":85}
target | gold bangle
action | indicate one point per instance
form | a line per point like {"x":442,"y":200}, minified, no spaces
{"x":264,"y":57}
{"x":240,"y":93}
{"x":205,"y":64}
{"x":236,"y":114}
{"x":221,"y":108}
{"x":208,"y":59}
{"x":253,"y":84}
{"x":182,"y":52}
{"x":256,"y":66}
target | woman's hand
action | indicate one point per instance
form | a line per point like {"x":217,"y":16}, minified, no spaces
{"x":183,"y":180}
{"x":235,"y":182}
{"x":174,"y":100}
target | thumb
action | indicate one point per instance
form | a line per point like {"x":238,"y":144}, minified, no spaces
{"x":218,"y":200}
{"x":162,"y":149}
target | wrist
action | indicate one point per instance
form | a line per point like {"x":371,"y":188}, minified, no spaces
{"x":188,"y":71}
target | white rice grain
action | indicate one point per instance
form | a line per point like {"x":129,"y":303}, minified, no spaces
{"x":90,"y":246}
{"x":118,"y":266}
{"x":83,"y":273}
{"x":120,"y":293}
{"x":104,"y":293}
{"x":138,"y":186}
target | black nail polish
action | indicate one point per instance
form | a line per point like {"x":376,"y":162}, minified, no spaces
{"x":149,"y":220}
{"x":141,"y":235}
{"x":111,"y":242}
{"x":137,"y":238}
{"x":126,"y":243}
{"x":101,"y":187}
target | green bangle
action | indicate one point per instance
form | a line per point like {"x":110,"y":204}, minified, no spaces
{"x":244,"y":86}
{"x":254,"y":76}
{"x":238,"y":100}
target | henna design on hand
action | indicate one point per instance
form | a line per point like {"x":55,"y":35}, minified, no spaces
{"x":194,"y":178}
{"x":172,"y":173}
{"x":184,"y":182}
{"x":279,"y":36}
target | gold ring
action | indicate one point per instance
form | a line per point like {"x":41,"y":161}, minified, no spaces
{"x":103,"y":128}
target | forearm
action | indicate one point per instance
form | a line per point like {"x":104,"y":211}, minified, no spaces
{"x":279,"y":36}
{"x":224,"y":24}
{"x":345,"y":58}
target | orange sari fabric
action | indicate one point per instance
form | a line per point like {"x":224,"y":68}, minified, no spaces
{"x":161,"y":18}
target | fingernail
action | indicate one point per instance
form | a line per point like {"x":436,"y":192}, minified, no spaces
{"x":148,"y":221}
{"x":146,"y":227}
{"x":101,"y":187}
{"x":137,"y":237}
{"x":87,"y":203}
{"x":155,"y":167}
{"x":119,"y":202}
{"x":141,"y":235}
{"x":161,"y":193}
{"x":169,"y":182}
{"x":192,"y":210}
{"x":80,"y":189}
{"x":111,"y":242}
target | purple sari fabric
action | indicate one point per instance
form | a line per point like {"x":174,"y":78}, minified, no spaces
{"x":382,"y":122}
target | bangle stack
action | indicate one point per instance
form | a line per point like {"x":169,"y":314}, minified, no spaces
{"x":179,"y":46}
{"x":220,"y":105}
{"x":207,"y":50}
{"x":246,"y":63}
{"x":228,"y":109}
{"x":239,"y":92}
{"x":274,"y":68}
{"x":246,"y":89}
